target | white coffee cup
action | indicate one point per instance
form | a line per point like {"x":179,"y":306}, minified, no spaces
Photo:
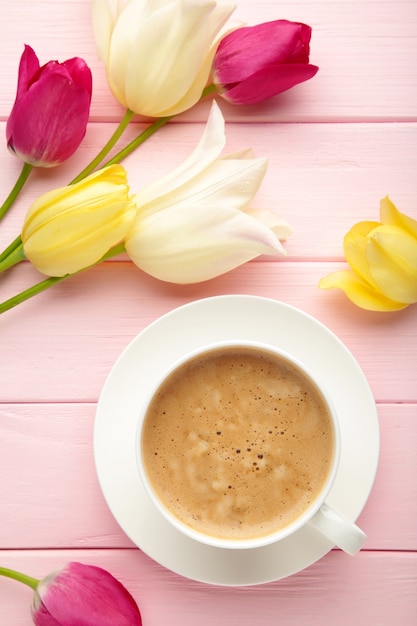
{"x":333,"y":525}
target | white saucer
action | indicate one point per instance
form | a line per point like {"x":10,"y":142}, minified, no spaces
{"x":167,"y":339}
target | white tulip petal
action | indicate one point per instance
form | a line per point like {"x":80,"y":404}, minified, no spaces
{"x":280,"y":227}
{"x":161,"y":53}
{"x":246,"y":153}
{"x":227,"y":185}
{"x":220,"y":15}
{"x":180,"y":247}
{"x":130,"y":23}
{"x":176,"y":48}
{"x":104,"y":16}
{"x":208,"y":149}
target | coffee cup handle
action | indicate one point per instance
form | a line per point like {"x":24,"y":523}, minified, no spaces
{"x":338,"y":529}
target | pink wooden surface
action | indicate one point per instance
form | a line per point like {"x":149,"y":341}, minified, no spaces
{"x":336,"y":145}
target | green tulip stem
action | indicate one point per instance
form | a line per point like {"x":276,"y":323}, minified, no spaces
{"x":23,"y":176}
{"x":22,"y":578}
{"x":124,"y":122}
{"x":208,"y":90}
{"x":10,"y":248}
{"x":53,"y":280}
{"x":14,"y":252}
{"x":14,"y":257}
{"x":31,"y":291}
{"x":148,"y":132}
{"x":139,"y":140}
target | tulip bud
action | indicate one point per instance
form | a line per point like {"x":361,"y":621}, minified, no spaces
{"x":158,"y":55}
{"x":255,"y":63}
{"x":84,"y":595}
{"x":79,"y":595}
{"x":69,"y":229}
{"x":195,"y":224}
{"x":50,"y":114}
{"x":383,"y":260}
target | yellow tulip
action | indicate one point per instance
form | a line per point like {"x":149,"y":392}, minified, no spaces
{"x":158,"y":55}
{"x":383,"y":260}
{"x":71,"y":228}
{"x":195,"y":223}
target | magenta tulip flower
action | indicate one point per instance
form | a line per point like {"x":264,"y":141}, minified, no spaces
{"x":79,"y":595}
{"x":50,"y":114}
{"x":255,"y":63}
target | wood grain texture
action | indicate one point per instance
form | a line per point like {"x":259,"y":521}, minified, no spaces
{"x":321,"y":178}
{"x":336,"y":590}
{"x":65,"y":488}
{"x":365,"y":51}
{"x":80,"y":327}
{"x":336,"y":145}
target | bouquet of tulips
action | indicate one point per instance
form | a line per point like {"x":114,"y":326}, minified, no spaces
{"x":196,"y":222}
{"x":193,"y":224}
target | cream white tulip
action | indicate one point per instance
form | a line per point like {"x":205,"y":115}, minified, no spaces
{"x":195,"y":224}
{"x":158,"y":53}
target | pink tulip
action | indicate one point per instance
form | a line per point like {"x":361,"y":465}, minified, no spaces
{"x":255,"y":63}
{"x":79,"y":595}
{"x":50,"y":114}
{"x":83,"y":595}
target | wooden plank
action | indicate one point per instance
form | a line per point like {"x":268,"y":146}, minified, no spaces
{"x":336,"y":145}
{"x":46,"y":457}
{"x":371,"y":588}
{"x":321,"y":178}
{"x":63,"y":342}
{"x":361,"y":48}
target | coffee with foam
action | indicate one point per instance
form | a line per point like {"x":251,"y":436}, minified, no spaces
{"x":237,"y":442}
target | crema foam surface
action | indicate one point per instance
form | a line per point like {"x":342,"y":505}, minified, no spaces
{"x":237,"y":443}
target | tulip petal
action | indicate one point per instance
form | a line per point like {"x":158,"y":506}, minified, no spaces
{"x":354,"y":245}
{"x":288,"y":42}
{"x":104,"y":17}
{"x":185,"y":246}
{"x":80,"y":73}
{"x":194,"y":224}
{"x":175,"y":38}
{"x":63,"y":200}
{"x":28,"y":66}
{"x":202,"y":229}
{"x":269,"y":82}
{"x":230,"y":183}
{"x":49,"y":117}
{"x":79,"y":594}
{"x":69,"y":229}
{"x":40,"y":136}
{"x":207,"y":150}
{"x":359,"y":291}
{"x":279,"y":226}
{"x":392,"y":257}
{"x":212,"y":27}
{"x":391,"y":215}
{"x":227,"y":182}
{"x":257,"y":62}
{"x":70,"y":255}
